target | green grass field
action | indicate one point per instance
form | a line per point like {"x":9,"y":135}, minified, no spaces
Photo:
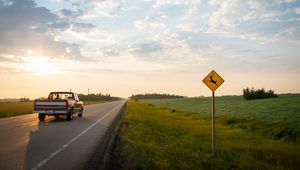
{"x":278,"y":118}
{"x":8,"y":109}
{"x":152,"y":137}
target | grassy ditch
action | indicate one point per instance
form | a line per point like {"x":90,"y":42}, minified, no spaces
{"x":152,"y":137}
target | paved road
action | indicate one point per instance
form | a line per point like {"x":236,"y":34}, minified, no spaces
{"x":26,"y":143}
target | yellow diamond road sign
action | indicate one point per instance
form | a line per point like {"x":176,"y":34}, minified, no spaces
{"x":213,"y":80}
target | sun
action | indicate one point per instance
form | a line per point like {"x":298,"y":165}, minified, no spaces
{"x":41,"y":66}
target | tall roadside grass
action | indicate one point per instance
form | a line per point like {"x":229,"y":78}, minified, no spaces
{"x":155,"y":138}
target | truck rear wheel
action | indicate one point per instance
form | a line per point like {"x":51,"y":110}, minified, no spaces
{"x":42,"y":117}
{"x":80,"y":112}
{"x":70,"y":115}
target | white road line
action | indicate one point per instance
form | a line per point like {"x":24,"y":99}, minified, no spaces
{"x":40,"y":164}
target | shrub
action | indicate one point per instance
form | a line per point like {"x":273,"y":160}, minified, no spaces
{"x":251,"y":94}
{"x":24,"y":99}
{"x":97,"y":97}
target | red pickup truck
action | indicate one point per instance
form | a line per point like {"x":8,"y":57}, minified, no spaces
{"x":59,"y":103}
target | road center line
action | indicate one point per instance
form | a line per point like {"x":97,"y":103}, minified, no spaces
{"x":41,"y":163}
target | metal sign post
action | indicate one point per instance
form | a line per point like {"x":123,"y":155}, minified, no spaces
{"x":213,"y":122}
{"x":213,"y":81}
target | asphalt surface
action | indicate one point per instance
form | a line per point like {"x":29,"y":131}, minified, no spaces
{"x":27,"y":143}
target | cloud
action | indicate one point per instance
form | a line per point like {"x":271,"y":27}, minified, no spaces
{"x":83,"y":27}
{"x":192,"y":5}
{"x":248,"y":20}
{"x":189,"y":27}
{"x":297,"y":10}
{"x":145,"y":48}
{"x":153,"y":21}
{"x":26,"y":26}
{"x":69,"y":14}
{"x":94,"y":8}
{"x":11,"y":59}
{"x":252,"y":20}
{"x":167,"y":31}
{"x":286,"y":1}
{"x":8,"y":70}
{"x":140,"y":24}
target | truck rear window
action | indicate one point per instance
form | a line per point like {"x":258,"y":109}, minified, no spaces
{"x":63,"y":96}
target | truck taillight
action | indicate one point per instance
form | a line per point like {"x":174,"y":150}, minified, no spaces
{"x":67,"y":104}
{"x":34,"y":103}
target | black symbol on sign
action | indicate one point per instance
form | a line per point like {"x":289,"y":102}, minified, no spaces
{"x":212,"y":80}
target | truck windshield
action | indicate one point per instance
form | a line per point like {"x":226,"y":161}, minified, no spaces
{"x":63,"y":96}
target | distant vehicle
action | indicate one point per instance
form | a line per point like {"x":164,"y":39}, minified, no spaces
{"x":59,"y":103}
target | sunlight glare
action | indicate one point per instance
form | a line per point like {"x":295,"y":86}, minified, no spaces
{"x":41,"y":66}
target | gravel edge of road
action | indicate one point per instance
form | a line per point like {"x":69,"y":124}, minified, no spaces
{"x":99,"y":159}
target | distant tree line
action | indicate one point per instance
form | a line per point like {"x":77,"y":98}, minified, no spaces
{"x":24,"y":99}
{"x":97,"y":97}
{"x":251,"y":94}
{"x":154,"y":96}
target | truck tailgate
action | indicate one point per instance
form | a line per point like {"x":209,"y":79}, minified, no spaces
{"x":51,"y":107}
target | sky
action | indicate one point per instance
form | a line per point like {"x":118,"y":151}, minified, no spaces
{"x":125,"y":47}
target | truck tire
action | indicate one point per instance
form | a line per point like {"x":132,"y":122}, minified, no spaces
{"x":70,"y":115}
{"x":80,"y":112}
{"x":42,"y":117}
